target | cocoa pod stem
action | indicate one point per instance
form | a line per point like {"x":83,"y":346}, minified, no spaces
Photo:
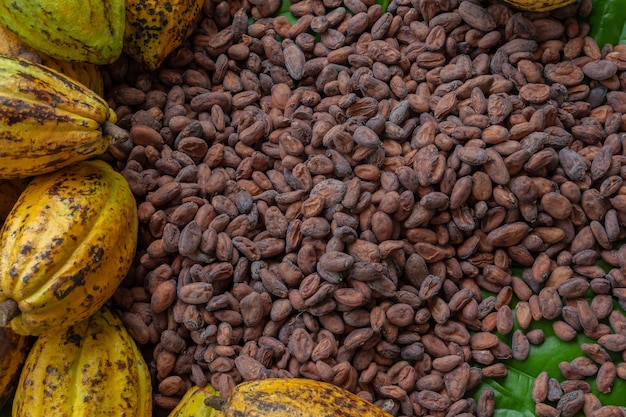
{"x":9,"y":309}
{"x":118,"y":135}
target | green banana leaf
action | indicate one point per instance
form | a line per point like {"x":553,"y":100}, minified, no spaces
{"x":513,"y":392}
{"x":608,"y":22}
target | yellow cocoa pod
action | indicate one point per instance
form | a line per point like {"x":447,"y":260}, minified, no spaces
{"x":87,"y":74}
{"x":91,"y":369}
{"x":539,"y":5}
{"x":82,"y":72}
{"x":192,"y":403}
{"x":71,"y":30}
{"x":13,"y":351}
{"x":278,"y":397}
{"x":48,"y":121}
{"x":65,"y":247}
{"x":154,"y":28}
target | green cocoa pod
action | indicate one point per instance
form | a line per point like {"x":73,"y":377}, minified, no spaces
{"x":71,"y":30}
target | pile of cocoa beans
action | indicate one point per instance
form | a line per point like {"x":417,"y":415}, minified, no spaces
{"x":345,"y":197}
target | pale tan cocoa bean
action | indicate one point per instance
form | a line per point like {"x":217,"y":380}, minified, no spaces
{"x":591,"y":404}
{"x":483,"y":357}
{"x":430,"y":382}
{"x":502,"y":351}
{"x":357,"y":338}
{"x":497,"y":370}
{"x":550,"y":303}
{"x":456,"y":381}
{"x":163,"y":296}
{"x":534,"y":93}
{"x":535,"y":336}
{"x":453,"y":331}
{"x":566,"y":74}
{"x":556,"y":205}
{"x":195,"y":292}
{"x":592,"y":205}
{"x":588,"y":320}
{"x":432,"y":400}
{"x":608,"y":410}
{"x":572,"y":287}
{"x":508,"y":235}
{"x":546,"y":410}
{"x":483,"y":340}
{"x":400,"y":314}
{"x":249,"y":368}
{"x":460,"y":299}
{"x":563,"y":331}
{"x":172,"y":386}
{"x":595,"y":352}
{"x":523,"y":314}
{"x":251,"y":308}
{"x":485,"y":405}
{"x":136,"y":327}
{"x":573,"y":164}
{"x":301,"y":345}
{"x":166,"y":402}
{"x":570,"y":403}
{"x":540,"y":387}
{"x":363,"y":251}
{"x":447,"y":363}
{"x":605,"y":377}
{"x":504,"y":319}
{"x":520,"y":345}
{"x":143,"y":135}
{"x":477,"y":17}
{"x":350,"y":297}
{"x":613,"y":342}
{"x":172,"y":341}
{"x":584,"y":366}
{"x":336,"y":261}
{"x":272,"y":283}
{"x":496,"y":168}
